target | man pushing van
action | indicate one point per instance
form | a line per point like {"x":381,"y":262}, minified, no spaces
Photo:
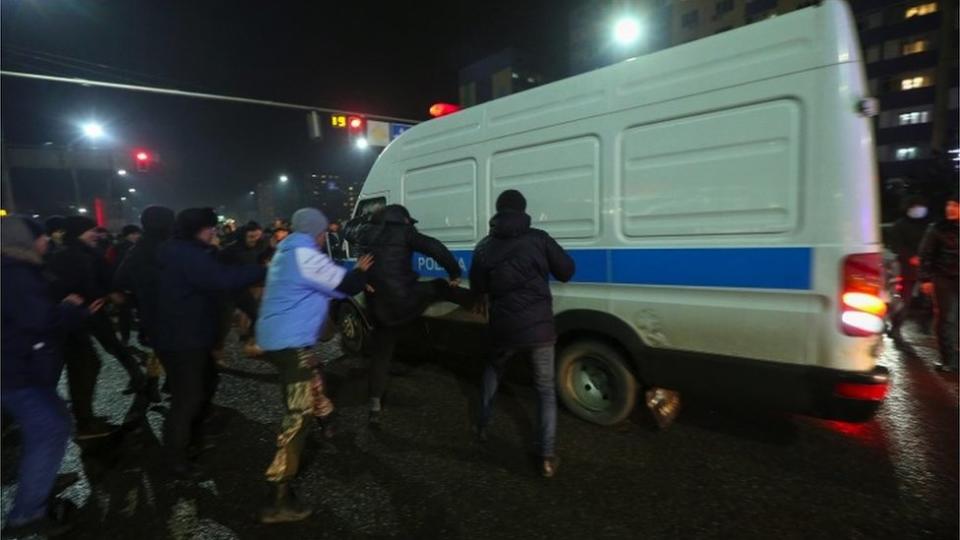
{"x":513,"y":265}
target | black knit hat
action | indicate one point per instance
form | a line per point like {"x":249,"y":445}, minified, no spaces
{"x":54,"y":224}
{"x":511,"y":200}
{"x":158,"y":220}
{"x":77,"y":225}
{"x":193,"y":220}
{"x":397,"y":213}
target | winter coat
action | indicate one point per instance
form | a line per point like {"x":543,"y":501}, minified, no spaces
{"x":239,"y":253}
{"x":300,"y":283}
{"x":906,"y":235}
{"x":190,"y":281}
{"x":80,"y":269}
{"x":33,"y":326}
{"x":513,"y":265}
{"x":938,"y":252}
{"x":399,"y":296}
{"x":139,"y":273}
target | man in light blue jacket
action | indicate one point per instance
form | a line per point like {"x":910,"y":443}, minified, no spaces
{"x":300,"y":283}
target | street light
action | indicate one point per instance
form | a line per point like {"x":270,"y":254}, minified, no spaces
{"x":362,"y":143}
{"x":626,"y":31}
{"x":82,"y":210}
{"x":253,"y":192}
{"x":283,"y":178}
{"x":122,"y":172}
{"x":132,"y":190}
{"x":92,"y":130}
{"x":123,"y":199}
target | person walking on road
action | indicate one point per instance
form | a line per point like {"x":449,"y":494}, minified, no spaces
{"x":31,"y":360}
{"x":187,"y":327}
{"x":513,"y":265}
{"x":301,"y":281}
{"x":139,"y":273}
{"x":907,"y":233}
{"x":395,"y":295}
{"x":939,"y":274}
{"x":129,"y":236}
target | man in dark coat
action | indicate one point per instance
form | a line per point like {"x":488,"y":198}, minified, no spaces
{"x":248,"y":249}
{"x":139,"y":273}
{"x":31,"y":361}
{"x":395,"y":295}
{"x":939,"y":261}
{"x":81,"y":270}
{"x":187,"y":327}
{"x":906,"y":235}
{"x":513,"y":265}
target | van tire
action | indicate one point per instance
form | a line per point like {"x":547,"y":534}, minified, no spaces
{"x":594,"y":382}
{"x":353,"y":329}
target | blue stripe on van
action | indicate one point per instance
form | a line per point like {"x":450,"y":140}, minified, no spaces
{"x":748,"y":268}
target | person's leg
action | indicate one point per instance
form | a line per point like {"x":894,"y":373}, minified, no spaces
{"x":945,"y":302}
{"x":545,"y":383}
{"x":125,"y":322}
{"x":204,"y":421}
{"x":45,"y":427}
{"x":247,"y":304}
{"x":907,"y":297}
{"x":492,"y":374}
{"x":103,"y":330}
{"x":384,"y":343}
{"x":185,"y":373}
{"x":303,"y":398}
{"x":83,"y":367}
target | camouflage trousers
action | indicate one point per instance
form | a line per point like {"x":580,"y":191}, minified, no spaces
{"x":154,"y":368}
{"x":303,"y":394}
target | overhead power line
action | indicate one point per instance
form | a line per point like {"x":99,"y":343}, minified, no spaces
{"x":197,"y":95}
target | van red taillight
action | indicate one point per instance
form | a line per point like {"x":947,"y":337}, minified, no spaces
{"x":861,"y":391}
{"x":861,"y":306}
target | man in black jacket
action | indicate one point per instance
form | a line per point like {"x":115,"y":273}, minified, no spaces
{"x":938,"y":273}
{"x":395,"y":295}
{"x":81,"y":270}
{"x":139,"y":273}
{"x":513,"y":265}
{"x":187,"y":327}
{"x":247,"y":249}
{"x":906,"y":235}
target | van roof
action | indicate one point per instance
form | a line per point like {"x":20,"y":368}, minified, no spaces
{"x":805,"y":39}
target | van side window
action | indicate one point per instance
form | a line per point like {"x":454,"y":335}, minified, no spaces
{"x":561,"y":180}
{"x":369,"y":206}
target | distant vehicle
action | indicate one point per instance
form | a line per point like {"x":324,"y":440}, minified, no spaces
{"x":720,"y":201}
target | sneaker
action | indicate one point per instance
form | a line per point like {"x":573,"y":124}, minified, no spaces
{"x":94,"y":429}
{"x":374,"y":419}
{"x":548,"y":467}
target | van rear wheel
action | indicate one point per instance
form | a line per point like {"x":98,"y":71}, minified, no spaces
{"x":594,"y":382}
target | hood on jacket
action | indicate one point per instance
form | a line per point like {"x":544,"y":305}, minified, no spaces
{"x":75,"y":226}
{"x":17,"y":235}
{"x":192,"y":220}
{"x":157,"y":222}
{"x":509,"y":224}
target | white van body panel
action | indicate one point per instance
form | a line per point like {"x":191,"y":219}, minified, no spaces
{"x":708,"y":193}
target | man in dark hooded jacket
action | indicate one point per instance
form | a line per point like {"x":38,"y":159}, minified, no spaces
{"x":939,"y":273}
{"x":187,"y":327}
{"x":513,"y":265}
{"x":395,"y":295}
{"x":906,"y":235}
{"x":139,"y":273}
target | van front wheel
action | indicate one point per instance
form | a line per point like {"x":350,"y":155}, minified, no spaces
{"x":594,"y":382}
{"x":353,"y":331}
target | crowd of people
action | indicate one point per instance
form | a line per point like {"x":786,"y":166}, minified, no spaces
{"x":182,"y":279}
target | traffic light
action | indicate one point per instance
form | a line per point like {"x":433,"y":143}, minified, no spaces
{"x":355,"y":125}
{"x":143,"y":160}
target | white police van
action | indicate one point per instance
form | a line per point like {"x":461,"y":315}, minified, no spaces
{"x":719,"y":199}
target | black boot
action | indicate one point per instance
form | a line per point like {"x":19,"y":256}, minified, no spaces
{"x":285,"y":507}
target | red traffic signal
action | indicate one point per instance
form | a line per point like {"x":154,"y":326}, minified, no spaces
{"x":143,"y":159}
{"x":355,"y":124}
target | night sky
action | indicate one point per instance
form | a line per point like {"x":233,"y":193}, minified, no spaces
{"x":390,"y":58}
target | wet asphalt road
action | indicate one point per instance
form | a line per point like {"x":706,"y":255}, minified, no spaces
{"x":716,"y":473}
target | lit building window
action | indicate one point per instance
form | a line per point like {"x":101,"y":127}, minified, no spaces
{"x":920,"y":10}
{"x":915,"y":117}
{"x":914,"y":82}
{"x":916,"y":46}
{"x":909,"y":152}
